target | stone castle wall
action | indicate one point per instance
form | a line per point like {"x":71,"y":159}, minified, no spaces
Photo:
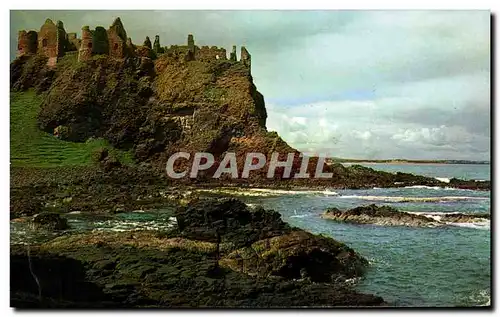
{"x":53,"y":42}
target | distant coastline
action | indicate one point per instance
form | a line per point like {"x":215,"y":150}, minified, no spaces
{"x":403,"y":161}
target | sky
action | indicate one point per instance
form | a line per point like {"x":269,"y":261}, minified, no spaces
{"x":351,"y":84}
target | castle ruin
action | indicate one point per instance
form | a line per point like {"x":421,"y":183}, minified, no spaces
{"x":53,"y":42}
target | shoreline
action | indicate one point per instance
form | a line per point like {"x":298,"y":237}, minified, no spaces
{"x":411,"y":163}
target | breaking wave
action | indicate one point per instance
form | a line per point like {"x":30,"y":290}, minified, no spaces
{"x":477,"y":223}
{"x":433,"y":187}
{"x":265,"y":192}
{"x":484,"y":225}
{"x":402,"y":199}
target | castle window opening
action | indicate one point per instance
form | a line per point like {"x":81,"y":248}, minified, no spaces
{"x":116,"y":46}
{"x":89,"y":45}
{"x":44,"y":42}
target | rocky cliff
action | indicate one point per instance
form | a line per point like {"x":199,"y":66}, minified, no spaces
{"x":155,"y":107}
{"x":158,"y":102}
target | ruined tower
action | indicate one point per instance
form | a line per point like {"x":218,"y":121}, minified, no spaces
{"x":27,"y":42}
{"x":100,"y":41}
{"x":51,"y":40}
{"x":147,"y":42}
{"x":85,"y":51}
{"x":232,"y":56}
{"x":191,"y":48}
{"x":156,"y":46}
{"x":117,"y":39}
{"x":62,"y":39}
{"x":190,"y":42}
{"x":246,"y":58}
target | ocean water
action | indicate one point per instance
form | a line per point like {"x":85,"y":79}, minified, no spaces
{"x":441,"y":266}
{"x":464,"y":171}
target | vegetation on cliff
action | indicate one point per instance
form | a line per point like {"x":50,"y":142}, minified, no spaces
{"x":143,"y":110}
{"x":30,"y":146}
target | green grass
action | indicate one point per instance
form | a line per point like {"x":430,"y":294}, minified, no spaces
{"x":31,"y":147}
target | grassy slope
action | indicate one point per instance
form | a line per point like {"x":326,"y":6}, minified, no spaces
{"x":32,"y":147}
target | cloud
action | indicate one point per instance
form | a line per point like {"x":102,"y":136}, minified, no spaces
{"x":365,"y":84}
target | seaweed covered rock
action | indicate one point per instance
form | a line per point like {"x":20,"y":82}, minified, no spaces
{"x":469,"y":184}
{"x":296,"y":255}
{"x":22,"y":205}
{"x":258,"y":242}
{"x":260,"y":262}
{"x":463,"y":218}
{"x":60,"y":282}
{"x":381,"y":215}
{"x":229,"y":219}
{"x":159,"y":275}
{"x":389,"y":216}
{"x":50,"y":221}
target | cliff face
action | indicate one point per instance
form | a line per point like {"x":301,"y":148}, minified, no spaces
{"x":155,"y":107}
{"x":171,"y":104}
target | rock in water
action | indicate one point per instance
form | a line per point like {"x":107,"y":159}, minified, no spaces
{"x":297,"y":255}
{"x":236,"y":223}
{"x":389,"y":216}
{"x":51,"y":221}
{"x":262,"y":244}
{"x":380,"y":215}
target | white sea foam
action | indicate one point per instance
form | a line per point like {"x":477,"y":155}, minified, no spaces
{"x":265,"y":192}
{"x":433,"y":187}
{"x":121,"y":225}
{"x":403,"y":199}
{"x":483,"y":297}
{"x":443,"y":179}
{"x":484,"y":225}
{"x":325,"y":192}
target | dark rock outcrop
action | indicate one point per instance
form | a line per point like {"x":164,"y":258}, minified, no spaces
{"x":469,"y":184}
{"x":204,"y":219}
{"x":373,"y":214}
{"x":50,"y":221}
{"x":389,"y":216}
{"x":23,"y":205}
{"x":296,"y":255}
{"x":174,"y":269}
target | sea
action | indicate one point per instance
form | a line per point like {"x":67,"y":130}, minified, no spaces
{"x":445,"y":266}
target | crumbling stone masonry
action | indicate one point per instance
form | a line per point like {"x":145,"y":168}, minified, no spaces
{"x":117,"y":39}
{"x":157,"y":47}
{"x":85,"y":51}
{"x":246,"y":58}
{"x":233,"y":57}
{"x":50,"y":41}
{"x":73,"y":43}
{"x":147,"y":43}
{"x":53,"y":42}
{"x":27,"y":42}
